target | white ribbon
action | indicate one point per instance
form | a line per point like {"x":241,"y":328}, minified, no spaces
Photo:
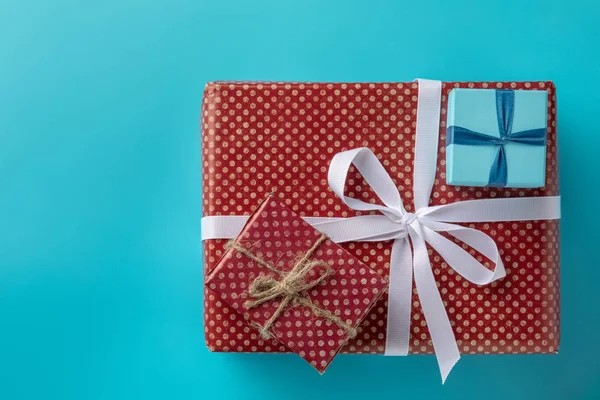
{"x":419,"y":229}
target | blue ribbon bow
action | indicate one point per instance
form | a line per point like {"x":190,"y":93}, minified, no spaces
{"x":505,"y":110}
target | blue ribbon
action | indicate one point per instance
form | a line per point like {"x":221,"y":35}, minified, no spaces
{"x":505,"y":110}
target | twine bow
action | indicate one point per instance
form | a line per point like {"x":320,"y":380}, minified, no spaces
{"x":292,"y":287}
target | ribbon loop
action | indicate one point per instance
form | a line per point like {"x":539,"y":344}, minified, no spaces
{"x":374,"y":174}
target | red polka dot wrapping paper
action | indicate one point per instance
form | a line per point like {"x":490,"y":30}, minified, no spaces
{"x":280,"y":238}
{"x":280,"y":137}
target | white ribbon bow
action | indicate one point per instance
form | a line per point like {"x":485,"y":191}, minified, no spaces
{"x":419,"y":229}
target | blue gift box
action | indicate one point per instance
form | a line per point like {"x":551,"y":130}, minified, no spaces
{"x":496,"y":138}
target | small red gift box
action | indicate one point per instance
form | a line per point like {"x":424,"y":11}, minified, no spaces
{"x":292,"y":283}
{"x":280,"y":137}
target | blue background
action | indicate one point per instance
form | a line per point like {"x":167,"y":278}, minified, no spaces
{"x":100,"y":263}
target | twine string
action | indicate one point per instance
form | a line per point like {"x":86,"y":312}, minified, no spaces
{"x":291,"y":287}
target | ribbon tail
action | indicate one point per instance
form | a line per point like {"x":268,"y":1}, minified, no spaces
{"x":440,"y":329}
{"x":458,"y":258}
{"x":399,"y":299}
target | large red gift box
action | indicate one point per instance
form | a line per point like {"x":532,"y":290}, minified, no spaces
{"x":280,"y":137}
